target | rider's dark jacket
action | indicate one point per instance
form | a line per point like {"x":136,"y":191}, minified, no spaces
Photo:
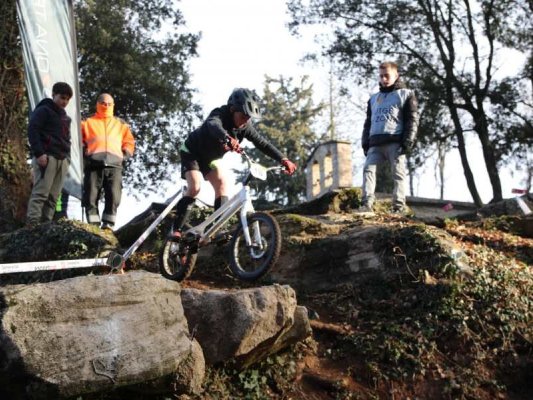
{"x":207,"y":142}
{"x":391,"y":116}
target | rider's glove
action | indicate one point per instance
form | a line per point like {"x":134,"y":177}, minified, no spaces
{"x":290,"y":167}
{"x":232,"y":144}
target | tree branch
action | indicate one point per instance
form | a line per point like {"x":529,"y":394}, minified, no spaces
{"x":475,"y":51}
{"x":397,"y":38}
{"x":490,"y":38}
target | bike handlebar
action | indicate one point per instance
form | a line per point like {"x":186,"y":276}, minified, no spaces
{"x":249,"y":160}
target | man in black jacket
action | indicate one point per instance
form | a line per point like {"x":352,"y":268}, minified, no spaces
{"x":222,"y":131}
{"x":49,"y":137}
{"x":389,"y":132}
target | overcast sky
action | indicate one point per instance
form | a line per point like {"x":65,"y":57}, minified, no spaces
{"x":242,"y":41}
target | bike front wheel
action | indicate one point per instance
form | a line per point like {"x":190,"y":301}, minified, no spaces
{"x":251,"y":263}
{"x":177,"y":259}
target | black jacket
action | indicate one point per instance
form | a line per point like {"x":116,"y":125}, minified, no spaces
{"x":391,"y":117}
{"x":207,"y":142}
{"x":49,"y":130}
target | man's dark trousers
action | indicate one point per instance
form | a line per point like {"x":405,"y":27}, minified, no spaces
{"x":110,"y":180}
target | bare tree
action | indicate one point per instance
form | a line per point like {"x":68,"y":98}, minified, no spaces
{"x":447,"y":49}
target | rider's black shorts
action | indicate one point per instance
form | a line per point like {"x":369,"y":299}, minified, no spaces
{"x":189,"y":162}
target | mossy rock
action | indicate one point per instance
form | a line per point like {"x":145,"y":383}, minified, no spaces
{"x":418,"y":249}
{"x":62,"y":240}
{"x":521,"y":225}
{"x":337,"y":201}
{"x":295,"y":224}
{"x":506,"y":207}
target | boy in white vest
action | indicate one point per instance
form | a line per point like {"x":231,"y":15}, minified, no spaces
{"x":388,"y":135}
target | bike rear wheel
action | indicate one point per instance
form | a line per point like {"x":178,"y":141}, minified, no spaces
{"x":177,"y":259}
{"x":252,"y":263}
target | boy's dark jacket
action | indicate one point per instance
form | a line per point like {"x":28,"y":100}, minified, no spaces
{"x":49,"y":130}
{"x":207,"y":141}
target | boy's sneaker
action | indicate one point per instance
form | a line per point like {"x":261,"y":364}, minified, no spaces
{"x":399,"y":210}
{"x":31,"y":224}
{"x":182,"y":236}
{"x":107,"y":226}
{"x":365,"y":209}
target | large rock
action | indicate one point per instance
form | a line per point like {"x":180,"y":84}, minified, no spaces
{"x":187,"y":380}
{"x":510,"y":206}
{"x":244,"y":324}
{"x":90,"y":334}
{"x":335,"y":201}
{"x":366,"y":250}
{"x":61,"y":240}
{"x":51,"y":241}
{"x":130,"y":232}
{"x":298,"y":331}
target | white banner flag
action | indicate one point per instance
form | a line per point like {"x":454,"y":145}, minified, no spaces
{"x":48,"y":39}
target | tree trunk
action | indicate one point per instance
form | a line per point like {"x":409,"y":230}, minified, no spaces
{"x":15,"y":180}
{"x":471,"y":183}
{"x":441,"y":165}
{"x":481,"y":128}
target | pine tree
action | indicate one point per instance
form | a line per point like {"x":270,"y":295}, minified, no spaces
{"x":288,"y":115}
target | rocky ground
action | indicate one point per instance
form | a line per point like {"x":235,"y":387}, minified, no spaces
{"x":450,"y":319}
{"x":401,"y":307}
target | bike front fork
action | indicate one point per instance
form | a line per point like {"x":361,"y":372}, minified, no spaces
{"x":252,"y":236}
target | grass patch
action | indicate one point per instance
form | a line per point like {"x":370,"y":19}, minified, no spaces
{"x":269,"y":379}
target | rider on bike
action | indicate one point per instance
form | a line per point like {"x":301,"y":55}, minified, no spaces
{"x":222,"y":131}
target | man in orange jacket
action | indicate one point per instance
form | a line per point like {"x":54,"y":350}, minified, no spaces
{"x":107,"y":143}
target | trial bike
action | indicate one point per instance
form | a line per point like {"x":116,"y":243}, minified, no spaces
{"x":254,"y":245}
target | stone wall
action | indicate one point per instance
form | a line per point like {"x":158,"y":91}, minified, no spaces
{"x":329,"y":167}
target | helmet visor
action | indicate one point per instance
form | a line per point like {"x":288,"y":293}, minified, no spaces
{"x":251,"y":109}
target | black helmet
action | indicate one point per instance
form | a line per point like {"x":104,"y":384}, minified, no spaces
{"x":245,"y":101}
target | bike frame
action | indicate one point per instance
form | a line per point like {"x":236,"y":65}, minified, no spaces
{"x":242,"y":202}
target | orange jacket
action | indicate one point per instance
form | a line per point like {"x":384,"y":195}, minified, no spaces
{"x":106,"y":140}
